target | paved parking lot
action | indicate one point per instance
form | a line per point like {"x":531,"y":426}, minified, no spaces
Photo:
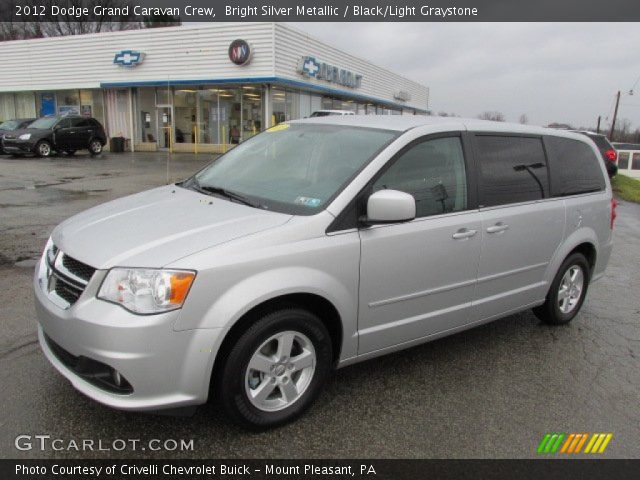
{"x":489,"y":392}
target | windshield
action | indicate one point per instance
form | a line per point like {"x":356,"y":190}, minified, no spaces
{"x":322,"y":114}
{"x":293,"y":168}
{"x":44,"y":123}
{"x":9,"y":125}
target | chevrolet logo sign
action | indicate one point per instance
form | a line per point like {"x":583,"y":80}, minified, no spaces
{"x":128,"y":58}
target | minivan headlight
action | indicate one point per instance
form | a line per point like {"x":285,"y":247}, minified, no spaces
{"x":25,"y":136}
{"x":144,"y":290}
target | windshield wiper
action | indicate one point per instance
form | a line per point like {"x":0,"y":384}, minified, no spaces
{"x":238,"y":197}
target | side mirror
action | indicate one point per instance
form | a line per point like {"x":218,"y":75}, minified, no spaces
{"x":390,"y":206}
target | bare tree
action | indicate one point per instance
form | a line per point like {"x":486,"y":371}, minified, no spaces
{"x":493,"y":116}
{"x":524,"y":119}
{"x":13,"y":29}
{"x":68,"y":24}
{"x":117,"y":17}
{"x":20,"y":30}
{"x":155,"y":21}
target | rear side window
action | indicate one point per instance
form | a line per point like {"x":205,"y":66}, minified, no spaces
{"x":574,"y":167}
{"x":511,"y":169}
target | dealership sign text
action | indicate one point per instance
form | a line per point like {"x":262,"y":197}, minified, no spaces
{"x":312,"y":68}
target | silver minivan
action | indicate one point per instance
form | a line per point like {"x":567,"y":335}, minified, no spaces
{"x":314,"y":245}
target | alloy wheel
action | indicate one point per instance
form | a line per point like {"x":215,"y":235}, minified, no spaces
{"x":280,"y":371}
{"x":44,"y":149}
{"x":571,"y":288}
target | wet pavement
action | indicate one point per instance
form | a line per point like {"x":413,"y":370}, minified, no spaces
{"x":492,"y":391}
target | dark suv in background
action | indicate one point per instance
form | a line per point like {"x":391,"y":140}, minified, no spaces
{"x":60,"y":133}
{"x":609,"y":154}
{"x":11,"y":125}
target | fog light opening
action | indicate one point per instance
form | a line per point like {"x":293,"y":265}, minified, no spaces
{"x":117,"y":378}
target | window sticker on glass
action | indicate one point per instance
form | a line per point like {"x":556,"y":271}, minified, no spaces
{"x":277,"y":128}
{"x":308,"y":201}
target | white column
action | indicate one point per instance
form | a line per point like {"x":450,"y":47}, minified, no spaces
{"x":131,"y":126}
{"x":266,"y":104}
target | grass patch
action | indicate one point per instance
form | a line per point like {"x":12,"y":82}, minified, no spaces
{"x":626,"y":188}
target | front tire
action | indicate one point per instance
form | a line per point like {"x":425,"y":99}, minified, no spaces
{"x":95,"y":147}
{"x":567,"y":292}
{"x":43,"y":149}
{"x":276,"y":369}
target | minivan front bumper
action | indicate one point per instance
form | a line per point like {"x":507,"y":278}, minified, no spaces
{"x":164,"y":368}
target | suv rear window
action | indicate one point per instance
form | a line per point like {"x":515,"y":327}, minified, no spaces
{"x":512,"y":169}
{"x":574,"y":167}
{"x":601,"y":142}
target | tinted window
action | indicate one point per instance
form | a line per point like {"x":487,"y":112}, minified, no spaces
{"x":574,"y":167}
{"x":78,"y":122}
{"x":511,"y":169}
{"x":64,"y":123}
{"x":433,"y":172}
{"x":601,"y":142}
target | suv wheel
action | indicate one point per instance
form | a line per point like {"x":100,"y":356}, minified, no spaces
{"x":43,"y":148}
{"x":95,"y":147}
{"x":276,"y":369}
{"x":567,"y":291}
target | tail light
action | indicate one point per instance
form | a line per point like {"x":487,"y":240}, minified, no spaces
{"x":614,"y":204}
{"x":612,"y":155}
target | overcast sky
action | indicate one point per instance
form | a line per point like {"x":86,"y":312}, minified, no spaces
{"x":553,"y":72}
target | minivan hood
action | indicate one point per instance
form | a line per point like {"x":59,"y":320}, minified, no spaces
{"x":157,"y":227}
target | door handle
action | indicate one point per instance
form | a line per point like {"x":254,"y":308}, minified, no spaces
{"x":497,"y":228}
{"x":463,"y":233}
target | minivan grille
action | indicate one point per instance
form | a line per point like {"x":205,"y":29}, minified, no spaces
{"x":68,"y":277}
{"x":78,"y":268}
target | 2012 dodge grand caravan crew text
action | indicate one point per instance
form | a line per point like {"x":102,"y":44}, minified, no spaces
{"x":316,"y":244}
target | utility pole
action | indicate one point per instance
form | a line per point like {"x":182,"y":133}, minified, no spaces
{"x":615,"y":115}
{"x":598,"y":127}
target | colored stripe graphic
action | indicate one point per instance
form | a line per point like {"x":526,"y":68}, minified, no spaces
{"x":551,"y":442}
{"x":598,"y":443}
{"x":572,"y":443}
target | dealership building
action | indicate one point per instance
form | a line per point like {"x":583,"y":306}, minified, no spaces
{"x":196,"y":88}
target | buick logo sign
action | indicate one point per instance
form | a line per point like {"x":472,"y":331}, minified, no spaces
{"x":240,"y":52}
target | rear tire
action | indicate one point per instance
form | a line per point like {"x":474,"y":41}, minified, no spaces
{"x":567,"y":292}
{"x":276,"y":369}
{"x":43,"y":149}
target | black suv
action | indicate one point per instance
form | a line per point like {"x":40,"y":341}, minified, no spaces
{"x":609,"y":154}
{"x":60,"y":133}
{"x":11,"y":125}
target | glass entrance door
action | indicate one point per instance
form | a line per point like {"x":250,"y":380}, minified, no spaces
{"x":165,"y":127}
